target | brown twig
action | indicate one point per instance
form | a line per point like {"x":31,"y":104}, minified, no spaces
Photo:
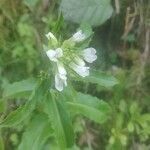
{"x":129,"y":21}
{"x":117,"y":5}
{"x":144,"y":56}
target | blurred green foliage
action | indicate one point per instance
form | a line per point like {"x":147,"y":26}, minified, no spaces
{"x":122,"y":42}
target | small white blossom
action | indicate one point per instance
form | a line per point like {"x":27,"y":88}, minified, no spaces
{"x":89,"y":55}
{"x":50,"y":35}
{"x":77,"y":63}
{"x":81,"y":70}
{"x":60,"y":77}
{"x":53,"y":55}
{"x":61,"y":69}
{"x":60,"y":81}
{"x":78,"y":36}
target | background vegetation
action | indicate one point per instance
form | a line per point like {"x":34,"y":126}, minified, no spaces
{"x":122,"y":40}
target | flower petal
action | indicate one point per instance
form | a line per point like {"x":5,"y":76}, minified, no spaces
{"x":58,"y":83}
{"x":52,"y":38}
{"x":52,"y":55}
{"x":59,"y":52}
{"x":50,"y":35}
{"x":89,"y":50}
{"x":79,"y":36}
{"x":61,"y":68}
{"x":81,"y":70}
{"x":90,"y":59}
{"x":89,"y":55}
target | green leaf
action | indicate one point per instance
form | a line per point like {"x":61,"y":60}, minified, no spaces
{"x":33,"y":140}
{"x":90,"y":107}
{"x":60,"y":120}
{"x":100,"y":78}
{"x":18,"y":88}
{"x":19,"y":115}
{"x":94,"y":12}
{"x":23,"y":112}
{"x":58,"y":24}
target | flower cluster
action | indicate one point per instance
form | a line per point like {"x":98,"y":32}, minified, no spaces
{"x":68,"y":57}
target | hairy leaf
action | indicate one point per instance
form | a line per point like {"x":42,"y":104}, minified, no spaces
{"x":99,"y":78}
{"x":20,"y":87}
{"x":90,"y":107}
{"x":23,"y":112}
{"x":19,"y":115}
{"x":36,"y":134}
{"x":60,"y":121}
{"x":94,"y":12}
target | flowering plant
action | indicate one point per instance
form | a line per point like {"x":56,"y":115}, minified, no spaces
{"x":51,"y":112}
{"x":69,"y":56}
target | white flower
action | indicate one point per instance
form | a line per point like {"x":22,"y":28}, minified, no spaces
{"x":53,"y":55}
{"x":60,"y":81}
{"x":50,"y":35}
{"x":81,"y":70}
{"x":78,"y":36}
{"x":52,"y":38}
{"x":89,"y":55}
{"x":60,"y":77}
{"x":61,"y":68}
